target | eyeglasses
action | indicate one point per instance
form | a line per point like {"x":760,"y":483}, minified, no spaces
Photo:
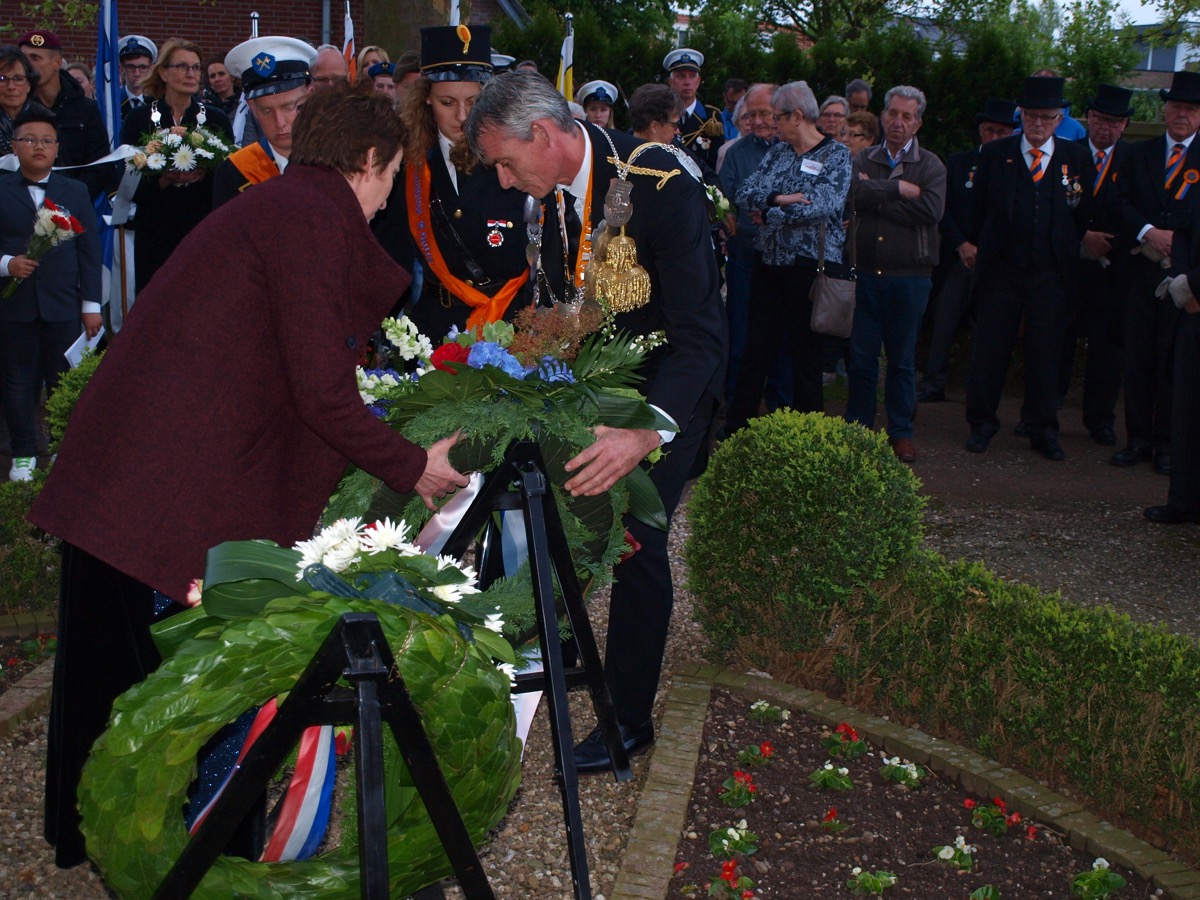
{"x":832,"y":115}
{"x":858,"y":135}
{"x":15,"y":79}
{"x":784,"y":115}
{"x":136,"y":67}
{"x":37,"y":142}
{"x":755,"y":114}
{"x":1039,"y":117}
{"x":185,"y":68}
{"x":329,"y":80}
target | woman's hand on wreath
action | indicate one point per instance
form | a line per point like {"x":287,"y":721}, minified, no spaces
{"x":439,"y":478}
{"x":610,"y":458}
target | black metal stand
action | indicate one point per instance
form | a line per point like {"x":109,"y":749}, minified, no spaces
{"x":550,"y":559}
{"x":356,"y":649}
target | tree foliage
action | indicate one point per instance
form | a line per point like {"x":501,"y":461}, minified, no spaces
{"x":55,"y":14}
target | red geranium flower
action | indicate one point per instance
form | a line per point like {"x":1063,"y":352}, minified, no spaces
{"x":831,"y":815}
{"x":1031,"y":833}
{"x":1000,"y":803}
{"x":449,"y":353}
{"x":680,"y":866}
{"x":969,"y":803}
{"x":1014,"y":819}
{"x":747,"y":895}
{"x":766,"y":749}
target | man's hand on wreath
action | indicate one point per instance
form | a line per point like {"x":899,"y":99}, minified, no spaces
{"x":610,"y":458}
{"x":439,"y":478}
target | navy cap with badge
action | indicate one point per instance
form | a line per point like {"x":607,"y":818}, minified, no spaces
{"x":271,"y":65}
{"x":597,"y":92}
{"x":136,"y":45}
{"x":381,"y":68}
{"x":456,"y":53}
{"x":684,"y":58}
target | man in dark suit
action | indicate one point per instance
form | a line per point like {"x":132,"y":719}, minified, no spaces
{"x":1158,"y":196}
{"x":523,"y":127}
{"x":700,"y":127}
{"x":957,"y":252}
{"x":1102,"y":280}
{"x":42,"y":317}
{"x":1028,"y":223}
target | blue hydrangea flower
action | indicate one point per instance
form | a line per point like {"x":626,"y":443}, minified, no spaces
{"x":485,"y":353}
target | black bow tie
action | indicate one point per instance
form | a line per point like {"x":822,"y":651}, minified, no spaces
{"x":31,"y":183}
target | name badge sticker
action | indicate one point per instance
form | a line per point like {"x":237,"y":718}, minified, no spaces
{"x":811,"y":167}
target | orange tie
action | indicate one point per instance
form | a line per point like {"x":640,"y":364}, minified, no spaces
{"x":1174,"y":164}
{"x":1099,"y":160}
{"x":1036,"y":171}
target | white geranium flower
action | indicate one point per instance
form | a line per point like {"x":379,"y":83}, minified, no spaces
{"x":155,"y":161}
{"x":843,"y":771}
{"x":185,"y":159}
{"x":1100,"y":863}
{"x":495,"y":623}
{"x":947,"y":852}
{"x":857,"y":870}
{"x":828,"y":766}
{"x":743,"y":825}
{"x":786,"y":715}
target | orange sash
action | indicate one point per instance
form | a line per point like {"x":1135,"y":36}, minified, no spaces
{"x":485,"y":309}
{"x":254,"y":163}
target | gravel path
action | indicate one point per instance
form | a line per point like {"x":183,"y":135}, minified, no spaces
{"x":1074,"y":526}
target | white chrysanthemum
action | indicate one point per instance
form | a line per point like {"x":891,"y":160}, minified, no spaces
{"x":341,"y":556}
{"x":510,"y":670}
{"x":946,"y":852}
{"x":447,"y":593}
{"x":204,"y":154}
{"x":495,"y":623}
{"x":313,"y":551}
{"x":184,"y":159}
{"x":385,"y":535}
{"x":155,"y":161}
{"x":172,"y":140}
{"x":344,"y":529}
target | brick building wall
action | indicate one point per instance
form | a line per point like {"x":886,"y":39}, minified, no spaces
{"x":221,"y":24}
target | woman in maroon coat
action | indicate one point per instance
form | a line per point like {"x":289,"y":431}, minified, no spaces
{"x":227,"y":409}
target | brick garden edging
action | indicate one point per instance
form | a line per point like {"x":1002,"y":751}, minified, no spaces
{"x":27,"y":699}
{"x":648,"y":863}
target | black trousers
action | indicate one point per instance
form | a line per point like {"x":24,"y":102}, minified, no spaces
{"x":1100,"y":297}
{"x":1003,"y":297}
{"x":642,"y":595}
{"x":779,"y":310}
{"x":1185,"y":422}
{"x":950,"y":306}
{"x":104,"y":648}
{"x":1150,"y":324}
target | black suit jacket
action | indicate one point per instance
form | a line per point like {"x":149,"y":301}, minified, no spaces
{"x":671,"y":229}
{"x":70,"y":273}
{"x":1142,"y":198}
{"x":1001,"y":164}
{"x":961,"y":169}
{"x":1103,"y":207}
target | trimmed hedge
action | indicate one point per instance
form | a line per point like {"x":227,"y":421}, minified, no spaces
{"x":793,"y":513}
{"x":1081,"y":696}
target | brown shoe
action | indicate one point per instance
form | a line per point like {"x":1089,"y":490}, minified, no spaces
{"x":904,"y":450}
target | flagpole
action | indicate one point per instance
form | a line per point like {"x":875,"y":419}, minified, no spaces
{"x":348,"y":45}
{"x":254,"y":24}
{"x":566,"y":61}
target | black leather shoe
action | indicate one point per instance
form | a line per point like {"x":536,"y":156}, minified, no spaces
{"x":928,"y":395}
{"x":1132,"y":454}
{"x":1162,"y":462}
{"x":1021,"y":430}
{"x":1050,"y":449}
{"x":1104,"y":436}
{"x":977,"y":442}
{"x":1171,"y":515}
{"x":591,"y":754}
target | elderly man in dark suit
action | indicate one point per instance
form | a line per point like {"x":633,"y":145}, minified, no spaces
{"x":1102,"y":280}
{"x":1029,"y":221}
{"x":523,"y":127}
{"x":1158,"y":196}
{"x":957,"y":264}
{"x":42,"y":317}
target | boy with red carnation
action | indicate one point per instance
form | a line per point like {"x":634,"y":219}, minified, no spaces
{"x":42,"y":317}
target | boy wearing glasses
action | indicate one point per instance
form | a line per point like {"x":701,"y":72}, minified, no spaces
{"x":42,"y":317}
{"x":137,"y":55}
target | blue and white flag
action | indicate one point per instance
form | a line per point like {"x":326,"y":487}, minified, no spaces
{"x":108,"y":72}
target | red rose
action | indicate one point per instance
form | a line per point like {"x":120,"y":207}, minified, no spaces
{"x":449,"y":353}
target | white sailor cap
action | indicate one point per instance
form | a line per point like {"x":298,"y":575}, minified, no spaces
{"x":136,"y":45}
{"x":271,"y":65}
{"x":502,"y":61}
{"x":683,"y":58}
{"x":597,"y":91}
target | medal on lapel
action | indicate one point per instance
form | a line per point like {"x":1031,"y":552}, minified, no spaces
{"x":1190,"y":177}
{"x":970,"y":179}
{"x":1074,"y":188}
{"x":495,"y":237}
{"x":1065,"y":180}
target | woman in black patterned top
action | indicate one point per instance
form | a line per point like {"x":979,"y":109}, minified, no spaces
{"x":802,"y":182}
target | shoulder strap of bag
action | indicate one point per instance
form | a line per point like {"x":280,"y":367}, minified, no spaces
{"x":850,"y":233}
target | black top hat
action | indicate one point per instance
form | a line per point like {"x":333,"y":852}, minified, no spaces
{"x":1003,"y":112}
{"x":456,"y":52}
{"x":1112,"y":100}
{"x":1185,"y":88}
{"x":1043,"y":92}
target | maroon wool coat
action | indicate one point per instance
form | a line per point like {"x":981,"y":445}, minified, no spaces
{"x":227,"y":407}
